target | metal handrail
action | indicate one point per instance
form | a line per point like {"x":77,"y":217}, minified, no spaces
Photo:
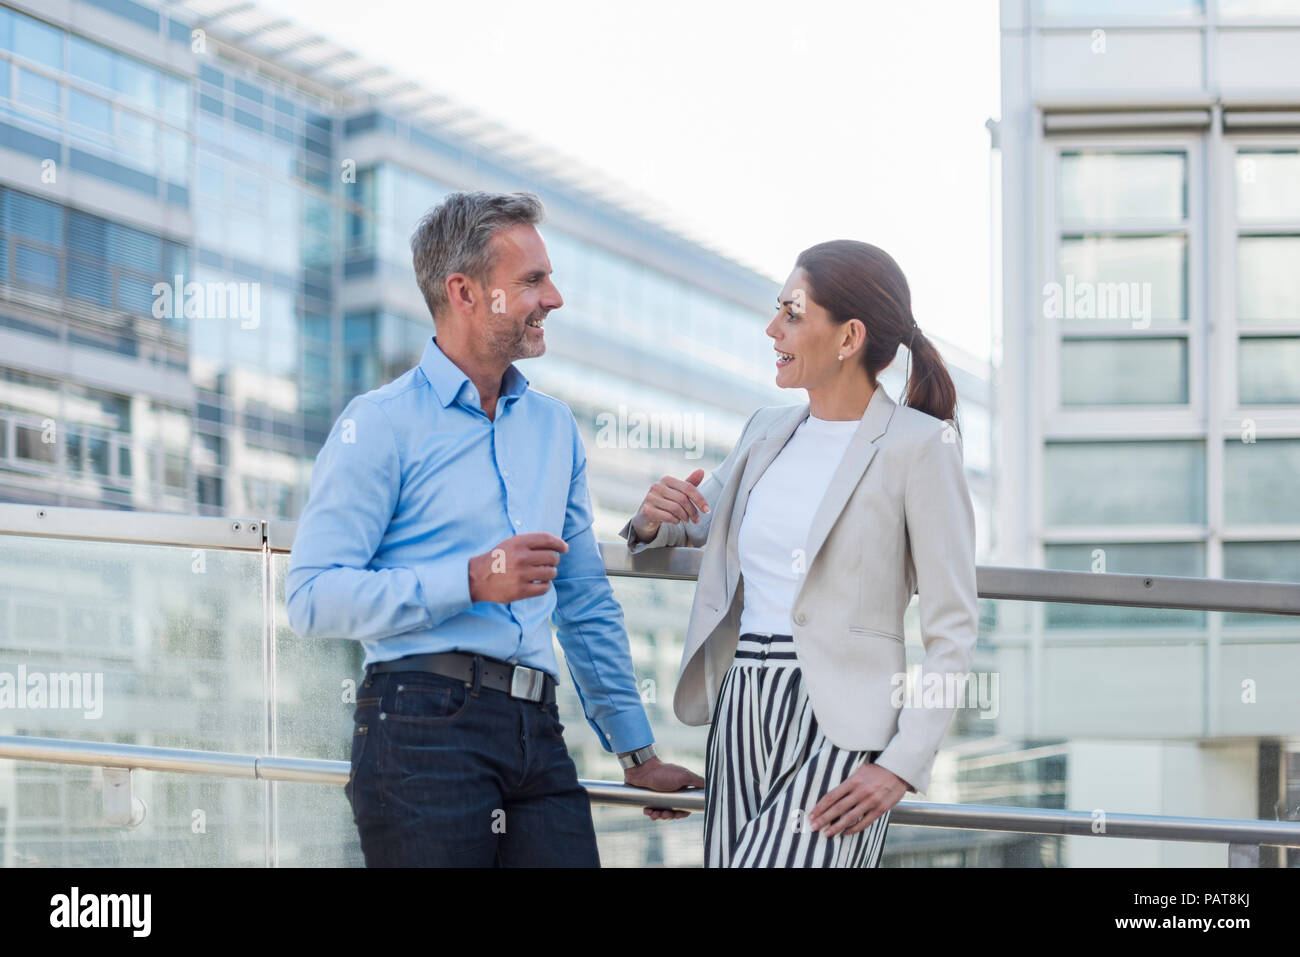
{"x":980,"y":817}
{"x":681,"y":564}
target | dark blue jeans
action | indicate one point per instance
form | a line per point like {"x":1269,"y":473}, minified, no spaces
{"x":448,"y":775}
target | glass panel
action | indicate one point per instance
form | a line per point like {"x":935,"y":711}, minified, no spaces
{"x":140,"y":645}
{"x":1123,"y":483}
{"x":176,"y":99}
{"x":36,"y":268}
{"x":1268,"y":371}
{"x":91,"y":62}
{"x":1126,"y":279}
{"x":1106,"y":188}
{"x":1259,"y":482}
{"x":1123,"y":372}
{"x":97,"y":455}
{"x":157,"y":628}
{"x":1268,"y":282}
{"x":38,"y":41}
{"x":1264,"y":562}
{"x":1268,"y":185}
{"x":32,"y":217}
{"x":93,"y":115}
{"x":1101,"y":11}
{"x":38,"y":92}
{"x":72,"y":454}
{"x":55,"y":819}
{"x":136,"y":82}
{"x":1233,"y":9}
{"x":316,"y":685}
{"x":1183,"y":559}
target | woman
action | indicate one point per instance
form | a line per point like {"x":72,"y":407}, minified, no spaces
{"x":817,"y":529}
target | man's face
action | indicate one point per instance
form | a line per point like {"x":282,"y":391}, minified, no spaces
{"x":518,"y":295}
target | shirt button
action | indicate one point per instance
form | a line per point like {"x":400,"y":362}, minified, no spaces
{"x":800,"y":619}
{"x":517,"y":523}
{"x":505,"y":474}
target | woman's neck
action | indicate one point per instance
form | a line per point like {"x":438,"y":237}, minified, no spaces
{"x":841,"y":401}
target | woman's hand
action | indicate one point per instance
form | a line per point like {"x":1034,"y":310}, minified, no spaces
{"x":869,"y":792}
{"x":670,"y":500}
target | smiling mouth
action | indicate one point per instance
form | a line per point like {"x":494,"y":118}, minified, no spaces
{"x":534,"y":323}
{"x":783,"y":358}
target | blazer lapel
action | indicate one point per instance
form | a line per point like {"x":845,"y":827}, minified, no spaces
{"x":861,"y":450}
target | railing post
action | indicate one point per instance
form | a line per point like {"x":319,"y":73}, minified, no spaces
{"x":1243,"y":855}
{"x":121,"y":806}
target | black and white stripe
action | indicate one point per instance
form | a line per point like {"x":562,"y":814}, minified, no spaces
{"x":768,"y":765}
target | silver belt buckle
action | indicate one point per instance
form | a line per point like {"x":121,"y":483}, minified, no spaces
{"x":527,"y":683}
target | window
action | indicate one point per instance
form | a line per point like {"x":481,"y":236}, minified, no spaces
{"x":30,"y":444}
{"x":1268,"y":370}
{"x":1124,"y":483}
{"x":1124,"y":372}
{"x":1104,"y":11}
{"x":1182,"y":559}
{"x":37,"y":92}
{"x":1120,"y":295}
{"x":1268,"y":283}
{"x":1259,"y":482}
{"x":38,"y":41}
{"x":91,"y":117}
{"x":1104,"y":188}
{"x":91,"y":62}
{"x":1265,"y":562}
{"x":1260,"y":9}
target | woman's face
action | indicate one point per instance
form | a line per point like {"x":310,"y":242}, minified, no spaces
{"x":808,"y":342}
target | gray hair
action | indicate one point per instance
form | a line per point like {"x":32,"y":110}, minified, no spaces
{"x":455,"y":237}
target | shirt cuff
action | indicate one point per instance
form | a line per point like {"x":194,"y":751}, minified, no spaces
{"x":444,"y":585}
{"x":628,"y":730}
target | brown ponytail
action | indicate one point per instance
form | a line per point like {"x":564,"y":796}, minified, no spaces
{"x":855,"y":280}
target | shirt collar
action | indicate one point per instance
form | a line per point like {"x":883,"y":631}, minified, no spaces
{"x":449,"y":382}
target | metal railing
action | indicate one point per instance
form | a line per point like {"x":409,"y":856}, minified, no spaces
{"x":680,"y":564}
{"x":1243,"y":837}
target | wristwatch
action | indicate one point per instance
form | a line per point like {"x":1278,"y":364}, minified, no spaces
{"x":638,"y":757}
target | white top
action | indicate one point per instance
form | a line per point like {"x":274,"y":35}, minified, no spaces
{"x":778,"y":517}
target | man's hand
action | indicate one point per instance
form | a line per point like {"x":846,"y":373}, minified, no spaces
{"x":869,"y":792}
{"x":670,"y":500}
{"x":657,"y":776}
{"x":522,"y":566}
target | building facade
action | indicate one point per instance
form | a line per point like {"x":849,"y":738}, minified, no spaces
{"x":1148,"y":395}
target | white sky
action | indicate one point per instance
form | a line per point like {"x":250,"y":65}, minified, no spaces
{"x":762,"y":127}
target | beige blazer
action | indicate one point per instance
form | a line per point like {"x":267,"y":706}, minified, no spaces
{"x":896,"y":519}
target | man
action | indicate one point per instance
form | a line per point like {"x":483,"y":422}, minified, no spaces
{"x":448,"y":525}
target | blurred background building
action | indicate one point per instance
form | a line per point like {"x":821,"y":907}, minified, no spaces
{"x":1148,"y":396}
{"x":212,"y":142}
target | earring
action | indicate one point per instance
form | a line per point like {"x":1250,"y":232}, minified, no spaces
{"x":841,"y":358}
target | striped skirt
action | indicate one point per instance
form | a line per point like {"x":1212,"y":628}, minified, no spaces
{"x":768,"y":765}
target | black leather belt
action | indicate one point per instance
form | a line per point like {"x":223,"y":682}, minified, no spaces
{"x":530,"y":684}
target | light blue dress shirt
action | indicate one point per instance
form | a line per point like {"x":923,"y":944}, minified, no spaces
{"x":412,"y":482}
